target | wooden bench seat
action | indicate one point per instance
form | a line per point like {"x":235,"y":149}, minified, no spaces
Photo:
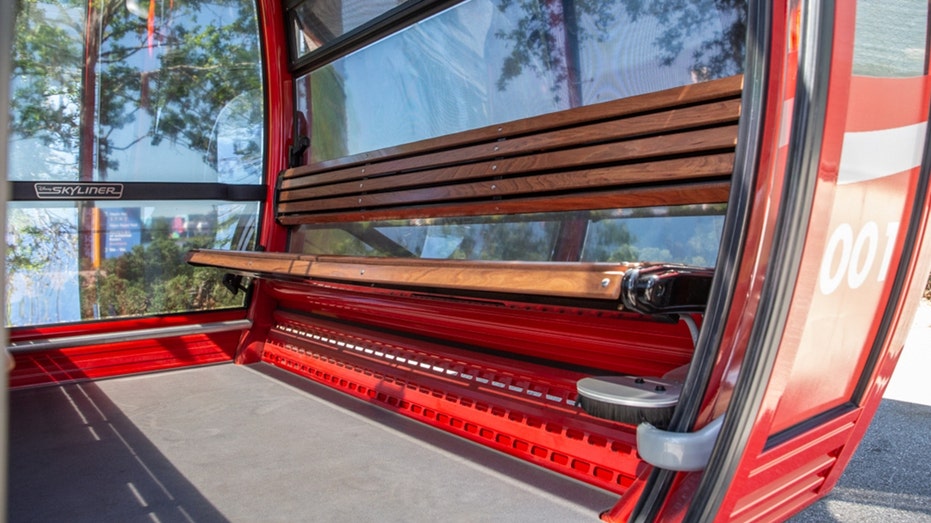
{"x":491,"y":350}
{"x":673,"y":147}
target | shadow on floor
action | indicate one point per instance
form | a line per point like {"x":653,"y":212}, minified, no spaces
{"x":75,"y":457}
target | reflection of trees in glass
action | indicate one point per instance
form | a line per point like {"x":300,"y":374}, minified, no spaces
{"x":153,"y":278}
{"x":203,"y":68}
{"x":547,"y":36}
{"x":155,"y":78}
{"x":523,"y":241}
{"x":327,"y":114}
{"x":720,"y":55}
{"x":95,"y":82}
{"x":45,"y":104}
{"x":546,"y":40}
{"x":38,"y":242}
{"x":688,"y":234}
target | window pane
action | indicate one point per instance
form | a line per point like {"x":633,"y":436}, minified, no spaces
{"x":173,"y":92}
{"x":891,"y":38}
{"x":318,"y":22}
{"x":687,"y":234}
{"x":489,"y":61}
{"x":48,"y":57}
{"x":70,"y":261}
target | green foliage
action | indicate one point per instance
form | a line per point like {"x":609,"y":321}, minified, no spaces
{"x":615,"y":245}
{"x":35,"y":243}
{"x":47,"y":57}
{"x":524,"y":241}
{"x":329,"y":115}
{"x":180,"y":76}
{"x":34,"y":246}
{"x":154,"y":279}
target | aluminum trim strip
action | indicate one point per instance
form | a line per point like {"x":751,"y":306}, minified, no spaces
{"x":124,"y":336}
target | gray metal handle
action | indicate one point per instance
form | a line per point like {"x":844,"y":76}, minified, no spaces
{"x":680,"y":451}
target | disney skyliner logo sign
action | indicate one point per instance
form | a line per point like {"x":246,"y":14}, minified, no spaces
{"x":78,"y":191}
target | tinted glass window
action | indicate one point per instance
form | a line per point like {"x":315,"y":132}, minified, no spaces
{"x":172,"y":92}
{"x":891,"y":38}
{"x":688,"y":235}
{"x":319,"y":22}
{"x":70,"y":262}
{"x":490,"y":61}
{"x":129,"y":92}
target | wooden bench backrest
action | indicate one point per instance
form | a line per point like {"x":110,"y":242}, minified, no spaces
{"x":671,"y":147}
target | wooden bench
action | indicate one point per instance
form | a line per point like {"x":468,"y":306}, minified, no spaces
{"x":673,"y":147}
{"x":401,"y":332}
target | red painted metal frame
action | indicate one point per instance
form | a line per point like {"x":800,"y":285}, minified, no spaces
{"x":524,"y":410}
{"x":116,"y":359}
{"x":758,"y":491}
{"x":279,"y":97}
{"x":798,"y":448}
{"x":279,"y":100}
{"x":602,"y":339}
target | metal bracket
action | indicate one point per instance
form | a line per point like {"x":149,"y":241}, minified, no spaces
{"x":680,"y":451}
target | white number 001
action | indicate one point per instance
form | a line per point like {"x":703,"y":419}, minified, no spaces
{"x":852,"y":259}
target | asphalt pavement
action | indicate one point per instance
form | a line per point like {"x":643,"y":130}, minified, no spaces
{"x":889,"y":478}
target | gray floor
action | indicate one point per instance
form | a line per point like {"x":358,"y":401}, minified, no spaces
{"x":231,"y":443}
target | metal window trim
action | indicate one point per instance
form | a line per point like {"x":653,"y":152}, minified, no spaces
{"x":389,"y":23}
{"x":83,"y":340}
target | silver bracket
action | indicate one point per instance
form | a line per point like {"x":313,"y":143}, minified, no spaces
{"x":680,"y":451}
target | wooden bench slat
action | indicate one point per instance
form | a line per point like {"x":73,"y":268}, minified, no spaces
{"x":692,"y":193}
{"x":252,"y":262}
{"x":660,"y":171}
{"x":692,"y":142}
{"x":680,"y":135}
{"x":568,"y":280}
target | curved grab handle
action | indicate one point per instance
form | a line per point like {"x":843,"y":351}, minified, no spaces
{"x":680,"y":451}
